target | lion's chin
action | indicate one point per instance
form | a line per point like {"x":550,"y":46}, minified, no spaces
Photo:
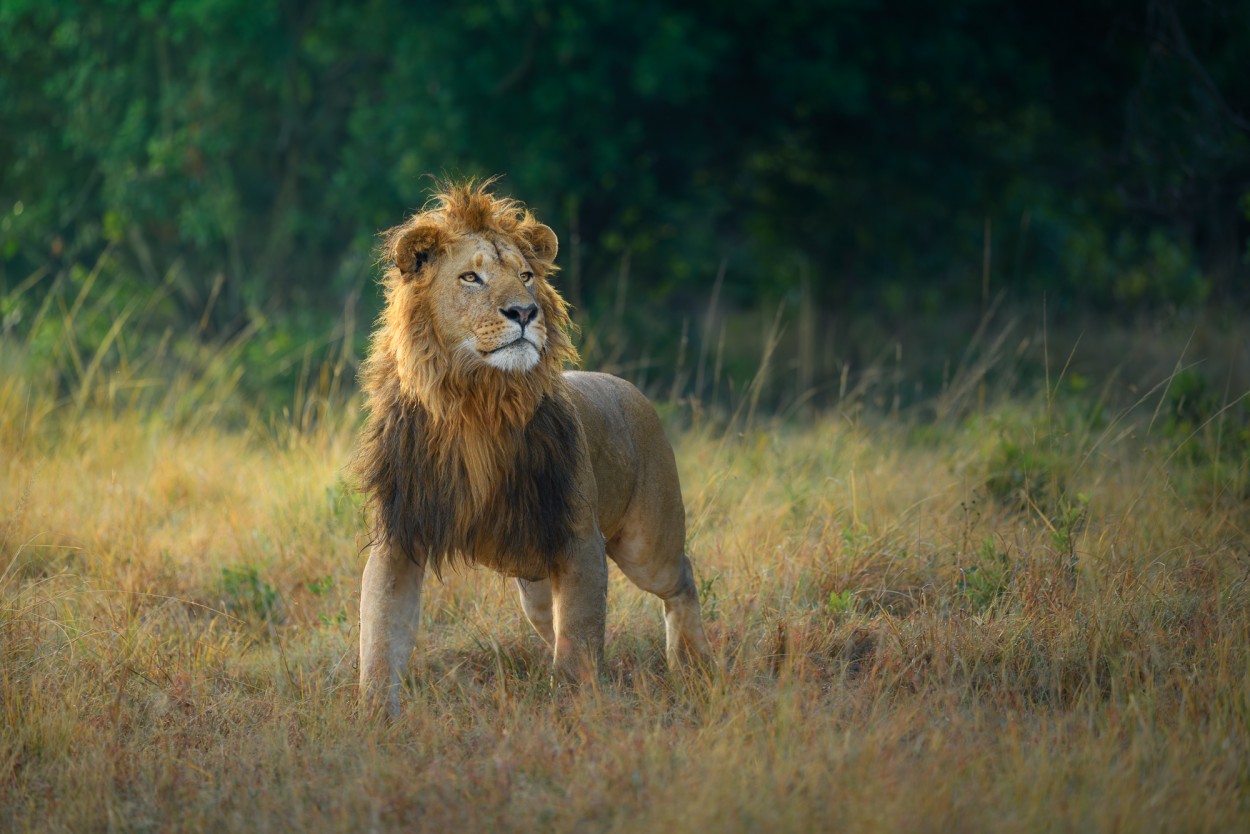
{"x":517,"y":358}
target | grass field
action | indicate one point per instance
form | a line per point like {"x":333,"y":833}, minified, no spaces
{"x":1012,"y":607}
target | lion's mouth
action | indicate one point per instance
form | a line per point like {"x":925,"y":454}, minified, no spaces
{"x":517,"y":356}
{"x":519,"y":341}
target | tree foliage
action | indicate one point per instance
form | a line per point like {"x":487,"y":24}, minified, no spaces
{"x":245,"y":153}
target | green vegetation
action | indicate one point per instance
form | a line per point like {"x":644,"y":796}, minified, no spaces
{"x":903,"y":155}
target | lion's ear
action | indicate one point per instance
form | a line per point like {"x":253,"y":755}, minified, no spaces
{"x":542,"y":241}
{"x":415,"y":247}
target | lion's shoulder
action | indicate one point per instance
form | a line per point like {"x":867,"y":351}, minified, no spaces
{"x":611,"y":403}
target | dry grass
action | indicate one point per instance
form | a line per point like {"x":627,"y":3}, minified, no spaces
{"x":1032,"y":615}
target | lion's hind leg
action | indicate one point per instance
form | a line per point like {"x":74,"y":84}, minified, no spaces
{"x":684,"y":638}
{"x":666,"y":572}
{"x":536,"y":603}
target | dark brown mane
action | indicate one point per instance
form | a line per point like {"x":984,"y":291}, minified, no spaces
{"x":421,"y":501}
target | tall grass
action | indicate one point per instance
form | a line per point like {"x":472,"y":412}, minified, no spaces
{"x":1016,"y":600}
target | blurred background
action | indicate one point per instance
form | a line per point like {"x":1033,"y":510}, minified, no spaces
{"x":829,"y":189}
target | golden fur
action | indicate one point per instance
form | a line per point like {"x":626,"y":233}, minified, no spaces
{"x":453,"y":430}
{"x":477,"y":448}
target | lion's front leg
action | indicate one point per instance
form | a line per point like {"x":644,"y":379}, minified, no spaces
{"x":580,"y":596}
{"x":536,"y":603}
{"x":390,"y":605}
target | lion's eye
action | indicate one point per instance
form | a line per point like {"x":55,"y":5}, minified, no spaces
{"x":526,"y":277}
{"x":471,"y":278}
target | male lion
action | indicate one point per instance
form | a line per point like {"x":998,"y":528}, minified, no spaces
{"x":479,"y":450}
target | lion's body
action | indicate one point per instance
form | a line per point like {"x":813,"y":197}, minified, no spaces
{"x":637,"y":489}
{"x":479,"y":449}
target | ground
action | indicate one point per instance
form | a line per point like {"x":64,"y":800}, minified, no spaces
{"x":1024,"y":610}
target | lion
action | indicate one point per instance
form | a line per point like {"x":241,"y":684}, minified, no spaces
{"x":480,"y":449}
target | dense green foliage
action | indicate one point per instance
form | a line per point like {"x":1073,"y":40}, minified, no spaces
{"x":243,"y":154}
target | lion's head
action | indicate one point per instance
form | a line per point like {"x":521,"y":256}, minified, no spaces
{"x":471,"y":319}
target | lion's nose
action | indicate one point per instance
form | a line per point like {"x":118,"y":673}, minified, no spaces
{"x":521,"y":315}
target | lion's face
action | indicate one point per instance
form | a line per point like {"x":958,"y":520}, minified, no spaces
{"x":472,"y":323}
{"x":484,"y":303}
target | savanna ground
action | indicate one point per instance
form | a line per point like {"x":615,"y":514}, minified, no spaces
{"x":1019,"y":604}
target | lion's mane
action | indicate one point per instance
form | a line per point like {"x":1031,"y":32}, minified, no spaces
{"x":461,"y":461}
